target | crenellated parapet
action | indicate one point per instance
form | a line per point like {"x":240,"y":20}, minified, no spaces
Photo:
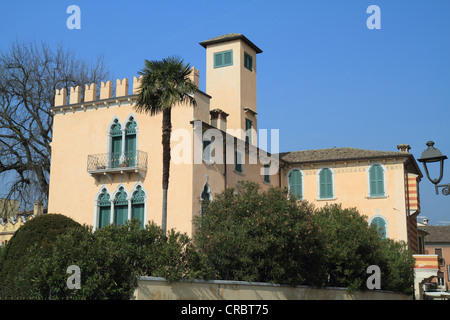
{"x":76,"y":95}
{"x":78,"y":99}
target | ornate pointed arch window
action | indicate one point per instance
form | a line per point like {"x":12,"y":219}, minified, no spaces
{"x":116,"y":143}
{"x":104,"y":209}
{"x":130,"y":142}
{"x":138,"y":205}
{"x":121,"y":207}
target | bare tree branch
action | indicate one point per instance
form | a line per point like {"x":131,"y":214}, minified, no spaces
{"x":30,"y":73}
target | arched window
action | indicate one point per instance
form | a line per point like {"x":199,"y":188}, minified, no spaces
{"x":325,"y":184}
{"x":138,"y":205}
{"x":116,"y":143}
{"x":380,"y":224}
{"x":104,"y":209}
{"x":376,"y":181}
{"x":130,"y":142}
{"x":121,"y":207}
{"x":295,"y":183}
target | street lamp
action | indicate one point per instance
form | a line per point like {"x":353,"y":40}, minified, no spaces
{"x":430,"y":155}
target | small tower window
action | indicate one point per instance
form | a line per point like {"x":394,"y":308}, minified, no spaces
{"x":248,"y":61}
{"x":223,"y":59}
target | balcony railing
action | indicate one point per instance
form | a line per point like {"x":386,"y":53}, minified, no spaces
{"x":103,"y":163}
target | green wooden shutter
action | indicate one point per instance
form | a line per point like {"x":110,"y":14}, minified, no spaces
{"x":228,"y":58}
{"x":104,"y":216}
{"x":116,"y":151}
{"x":376,"y":177}
{"x":248,"y":131}
{"x":137,"y":205}
{"x":237,"y":161}
{"x":223,"y":59}
{"x":130,"y":143}
{"x":326,"y":184}
{"x":137,"y":212}
{"x":104,"y":211}
{"x":267,"y":173}
{"x":295,"y":183}
{"x":218,"y":60}
{"x":120,"y":215}
{"x":248,"y":61}
{"x":130,"y":149}
{"x":121,"y":208}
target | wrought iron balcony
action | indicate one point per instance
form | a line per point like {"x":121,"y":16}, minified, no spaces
{"x":111,"y":163}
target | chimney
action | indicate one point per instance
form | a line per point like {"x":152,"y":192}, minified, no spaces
{"x":404,"y":148}
{"x":219,"y":119}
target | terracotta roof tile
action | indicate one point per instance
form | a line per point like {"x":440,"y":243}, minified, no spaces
{"x":436,"y":233}
{"x":335,"y":154}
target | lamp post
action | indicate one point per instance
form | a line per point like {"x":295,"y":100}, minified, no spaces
{"x":430,"y":155}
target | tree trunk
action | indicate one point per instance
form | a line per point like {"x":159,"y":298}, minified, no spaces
{"x":166,"y":132}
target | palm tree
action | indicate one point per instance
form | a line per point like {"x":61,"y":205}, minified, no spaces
{"x":165,"y":84}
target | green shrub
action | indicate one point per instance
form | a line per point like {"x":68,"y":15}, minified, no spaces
{"x":351,"y":246}
{"x":110,"y":261}
{"x":249,"y":235}
{"x":33,"y":239}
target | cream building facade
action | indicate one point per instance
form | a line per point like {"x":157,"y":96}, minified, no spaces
{"x":107,"y":158}
{"x":382,"y":185}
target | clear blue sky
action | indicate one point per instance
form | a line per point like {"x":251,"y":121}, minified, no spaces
{"x":324,"y":78}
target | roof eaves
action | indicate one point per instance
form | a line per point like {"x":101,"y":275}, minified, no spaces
{"x":230,"y":37}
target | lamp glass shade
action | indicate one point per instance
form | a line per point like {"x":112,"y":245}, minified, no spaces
{"x":431,"y":154}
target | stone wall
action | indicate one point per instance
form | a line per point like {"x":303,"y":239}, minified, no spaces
{"x":154,"y":288}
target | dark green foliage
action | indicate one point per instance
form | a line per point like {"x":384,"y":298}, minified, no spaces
{"x":36,"y":237}
{"x":351,"y":246}
{"x":110,"y":260}
{"x":244,"y":234}
{"x":397,"y":270}
{"x":249,"y":235}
